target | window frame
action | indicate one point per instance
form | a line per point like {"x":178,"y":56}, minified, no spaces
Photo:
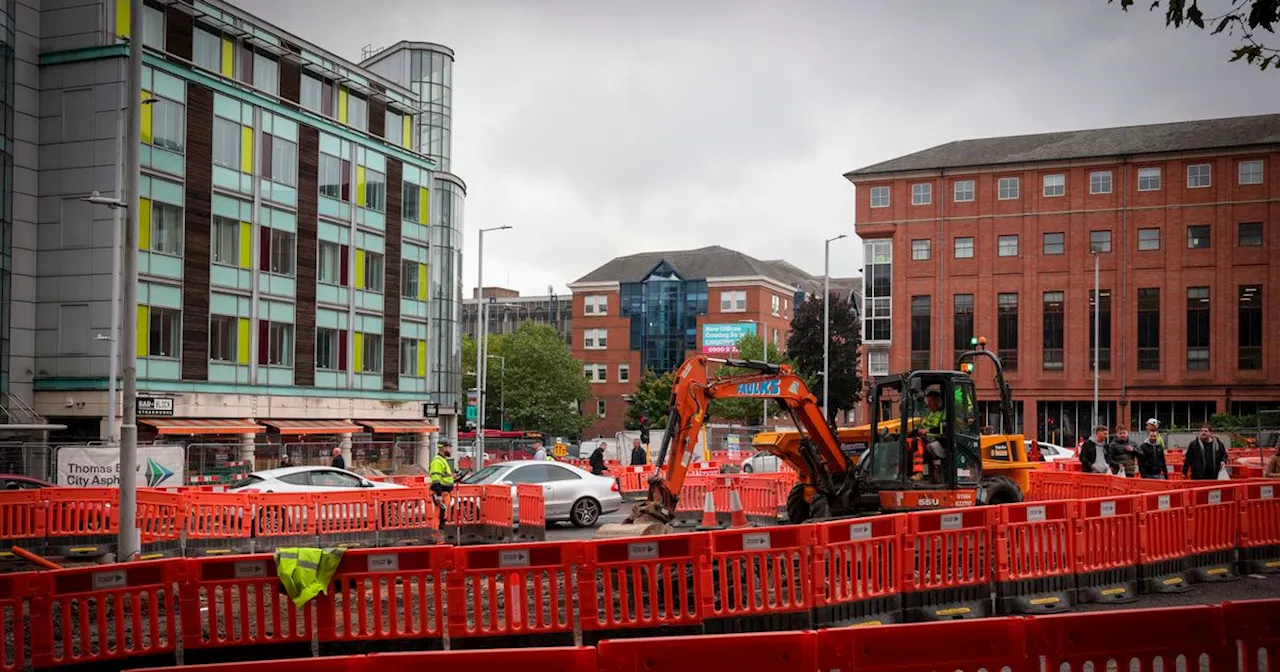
{"x":1000,"y":245}
{"x":1240,"y":172}
{"x":624,"y":373}
{"x":732,"y":296}
{"x":877,"y":370}
{"x":1148,"y":320}
{"x":1141,"y":242}
{"x":283,"y":252}
{"x":1240,"y":234}
{"x":224,"y":330}
{"x":1250,"y":351}
{"x":1159,"y":178}
{"x":409,"y":279}
{"x":922,"y":193}
{"x":333,"y":348}
{"x":409,"y":357}
{"x":281,"y":345}
{"x":175,"y":337}
{"x":956,"y":247}
{"x":921,"y":254}
{"x":1207,"y":175}
{"x":371,"y":353}
{"x":168,"y":125}
{"x":875,"y":192}
{"x":1207,"y":237}
{"x":1002,"y":194}
{"x":230,"y":135}
{"x":1199,"y":300}
{"x":198,"y":49}
{"x":1098,"y":179}
{"x":1049,"y":331}
{"x":1006,"y":313}
{"x":1061,"y":245}
{"x":374,"y":271}
{"x":1103,"y":246}
{"x":177,"y":223}
{"x":970,"y":188}
{"x":1058,"y":185}
{"x":321,"y":266}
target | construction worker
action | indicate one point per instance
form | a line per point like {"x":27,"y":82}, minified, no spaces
{"x":931,"y":431}
{"x":441,"y":477}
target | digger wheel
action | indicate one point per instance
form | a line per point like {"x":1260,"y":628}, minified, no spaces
{"x":1000,"y":490}
{"x":800,"y":511}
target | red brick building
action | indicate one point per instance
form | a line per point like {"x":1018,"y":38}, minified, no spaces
{"x":652,"y":310}
{"x":995,"y":238}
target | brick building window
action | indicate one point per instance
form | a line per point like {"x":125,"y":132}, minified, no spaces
{"x":921,"y":331}
{"x":879,"y":197}
{"x":733,"y":302}
{"x":600,"y":407}
{"x":1250,"y":331}
{"x":878,"y":363}
{"x":1199,"y":175}
{"x":624,"y":373}
{"x":963,"y":190}
{"x":595,"y":339}
{"x":1054,"y":331}
{"x":962,"y":323}
{"x":1100,"y":320}
{"x":1149,"y":329}
{"x":1148,"y":240}
{"x":1198,"y":237}
{"x":1007,"y":246}
{"x":1148,"y":179}
{"x":1055,"y":185}
{"x":596,"y":304}
{"x":921,"y":194}
{"x":1250,"y":172}
{"x":1007,"y":189}
{"x":1249,"y":234}
{"x":920,"y":249}
{"x":1198,"y":328}
{"x":596,"y":373}
{"x":1100,"y":241}
{"x":1007,"y":330}
{"x":1055,"y":243}
{"x":1100,"y":182}
{"x":964,"y":248}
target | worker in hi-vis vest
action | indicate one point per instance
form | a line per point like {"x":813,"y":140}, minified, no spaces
{"x":441,"y":477}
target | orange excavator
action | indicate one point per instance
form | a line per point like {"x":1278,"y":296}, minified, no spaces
{"x":922,"y":413}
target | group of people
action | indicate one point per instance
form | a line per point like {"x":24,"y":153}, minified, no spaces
{"x":639,"y":457}
{"x":1205,"y":457}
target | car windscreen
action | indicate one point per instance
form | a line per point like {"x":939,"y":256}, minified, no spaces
{"x":246,"y":482}
{"x":485,"y":476}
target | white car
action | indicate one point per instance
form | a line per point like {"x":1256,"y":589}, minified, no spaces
{"x":1053,"y":452}
{"x":762,"y":462}
{"x":307,"y":479}
{"x":569,"y":493}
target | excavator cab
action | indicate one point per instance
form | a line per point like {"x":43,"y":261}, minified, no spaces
{"x":926,"y":447}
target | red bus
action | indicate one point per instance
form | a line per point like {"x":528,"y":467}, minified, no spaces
{"x":503,"y":446}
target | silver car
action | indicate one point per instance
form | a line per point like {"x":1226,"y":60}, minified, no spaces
{"x":569,"y":493}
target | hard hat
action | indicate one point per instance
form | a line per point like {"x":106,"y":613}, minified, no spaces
{"x":1153,"y":421}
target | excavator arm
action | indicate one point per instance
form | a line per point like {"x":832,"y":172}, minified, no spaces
{"x":819,"y":461}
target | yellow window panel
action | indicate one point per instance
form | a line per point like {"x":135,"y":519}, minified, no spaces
{"x":422,"y":282}
{"x":342,"y":104}
{"x":359,"y":269}
{"x":146,"y":119}
{"x":424,"y":203}
{"x":144,"y":332}
{"x":228,"y":57}
{"x":242,"y":341}
{"x":357,"y":355}
{"x":422,"y":359}
{"x":246,"y":150}
{"x":360,"y":199}
{"x":122,"y":18}
{"x":246,"y":245}
{"x":408,"y":132}
{"x":144,"y":224}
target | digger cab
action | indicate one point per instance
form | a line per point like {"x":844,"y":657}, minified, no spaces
{"x":925,"y":448}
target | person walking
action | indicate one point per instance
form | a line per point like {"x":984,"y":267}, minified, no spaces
{"x":285,"y":460}
{"x":1151,"y":463}
{"x":539,"y":453}
{"x":338,"y":462}
{"x":441,"y":477}
{"x":1205,"y":456}
{"x":597,"y":460}
{"x":1123,"y":451}
{"x":638,"y":456}
{"x":1093,"y":453}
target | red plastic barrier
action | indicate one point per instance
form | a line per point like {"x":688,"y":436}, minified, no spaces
{"x":990,"y":644}
{"x":759,"y":573}
{"x":496,"y":509}
{"x":1214,"y":513}
{"x":346,"y":513}
{"x":949,"y":563}
{"x":563,"y":659}
{"x":626,"y":586}
{"x":1107,"y":549}
{"x":1163,"y":541}
{"x":1254,"y":624}
{"x":858,"y":579}
{"x":330,"y":664}
{"x":23,"y":515}
{"x":1035,"y":557}
{"x":82,"y":512}
{"x":531,"y":505}
{"x":1084,"y":641}
{"x":16,"y":596}
{"x":465,"y":505}
{"x":238,"y":604}
{"x":386,"y":595}
{"x":283,"y":520}
{"x":96,"y":614}
{"x":1053,"y":485}
{"x":759,"y":498}
{"x":161,"y":516}
{"x":1092,"y":486}
{"x":1260,"y":527}
{"x":502,"y":591}
{"x":634,"y":480}
{"x":217,"y":522}
{"x":407,"y":516}
{"x":765,"y":652}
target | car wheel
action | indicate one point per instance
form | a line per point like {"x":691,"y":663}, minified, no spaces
{"x":585,"y":512}
{"x":746,"y":468}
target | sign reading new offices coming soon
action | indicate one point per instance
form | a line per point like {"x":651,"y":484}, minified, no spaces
{"x":722,"y":339}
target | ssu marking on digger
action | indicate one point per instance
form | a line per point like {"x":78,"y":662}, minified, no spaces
{"x":764,"y":388}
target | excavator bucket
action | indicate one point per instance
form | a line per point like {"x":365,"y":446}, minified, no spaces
{"x":644,"y":521}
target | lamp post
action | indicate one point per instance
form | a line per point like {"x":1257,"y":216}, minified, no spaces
{"x":826,"y":325}
{"x":764,"y":341}
{"x":482,"y":333}
{"x":502,"y":395}
{"x":1097,"y":327}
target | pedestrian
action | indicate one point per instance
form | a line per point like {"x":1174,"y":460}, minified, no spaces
{"x":1153,"y":425}
{"x":1151,"y":462}
{"x":338,"y":462}
{"x":539,"y":453}
{"x":596,"y":461}
{"x":638,"y":456}
{"x":1093,"y":453}
{"x":286,"y":460}
{"x":1205,"y":456}
{"x":1123,"y":451}
{"x":441,"y":477}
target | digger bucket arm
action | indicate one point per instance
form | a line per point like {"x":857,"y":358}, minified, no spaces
{"x":1006,"y":395}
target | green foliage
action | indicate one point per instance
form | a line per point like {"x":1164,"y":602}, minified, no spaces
{"x":544,"y":383}
{"x":804,"y":348}
{"x":652,"y":399}
{"x":493,"y":390}
{"x":745,"y":411}
{"x":1243,"y":17}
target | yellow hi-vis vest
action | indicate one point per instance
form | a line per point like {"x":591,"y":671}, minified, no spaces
{"x":441,"y":470}
{"x":305,"y":572}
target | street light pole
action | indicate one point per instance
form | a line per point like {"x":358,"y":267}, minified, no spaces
{"x":1097,"y":327}
{"x":482,"y":345}
{"x":826,"y":325}
{"x":129,"y":542}
{"x":502,"y":395}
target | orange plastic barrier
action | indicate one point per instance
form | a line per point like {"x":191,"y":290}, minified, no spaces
{"x":1254,"y":624}
{"x":1107,"y":550}
{"x":857,"y":573}
{"x":992,"y":644}
{"x":82,"y":521}
{"x":1215,"y":529}
{"x":1053,"y":485}
{"x":1163,"y":541}
{"x":463,"y":523}
{"x":23,"y":515}
{"x":634,"y":481}
{"x":761,"y":579}
{"x":765,"y":652}
{"x":382,"y":595}
{"x":495,"y":512}
{"x":406,"y":517}
{"x":532,"y":511}
{"x":1260,"y":529}
{"x":236,"y":609}
{"x":1035,"y":557}
{"x":347,"y":519}
{"x":497,"y":594}
{"x":161,"y":516}
{"x":283,"y":520}
{"x":218,"y":523}
{"x":689,"y":506}
{"x":1092,"y":486}
{"x":948,"y":564}
{"x":16,"y":593}
{"x":643,"y":586}
{"x":99,"y":614}
{"x":1090,"y":641}
{"x":759,"y":499}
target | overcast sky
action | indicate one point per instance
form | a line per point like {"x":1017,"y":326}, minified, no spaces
{"x":602,"y":128}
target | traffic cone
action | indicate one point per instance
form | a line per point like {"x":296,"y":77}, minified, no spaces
{"x":737,"y":516}
{"x":709,"y":521}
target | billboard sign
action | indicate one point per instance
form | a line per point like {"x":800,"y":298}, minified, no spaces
{"x":722,"y":339}
{"x":97,"y":467}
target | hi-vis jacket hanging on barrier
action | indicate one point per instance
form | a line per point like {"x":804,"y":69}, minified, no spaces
{"x":305,"y":572}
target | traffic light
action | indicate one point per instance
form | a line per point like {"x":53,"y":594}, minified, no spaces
{"x":644,"y":434}
{"x":973,"y":340}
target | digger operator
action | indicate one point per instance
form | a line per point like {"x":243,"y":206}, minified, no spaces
{"x":931,"y":431}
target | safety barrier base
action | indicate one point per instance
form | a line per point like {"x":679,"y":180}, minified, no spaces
{"x":1111,"y":586}
{"x":593,"y":637}
{"x":365,"y":647}
{"x":541,"y":639}
{"x":787,"y":620}
{"x":1260,"y":560}
{"x":1030,"y":597}
{"x":1169,"y":576}
{"x":242,"y":653}
{"x":1216,"y":567}
{"x":952,"y":604}
{"x":875,"y":611}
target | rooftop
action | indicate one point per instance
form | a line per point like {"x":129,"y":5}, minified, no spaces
{"x":1180,"y":136}
{"x":710,"y":263}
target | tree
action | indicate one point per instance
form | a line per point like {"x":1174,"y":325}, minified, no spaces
{"x":545,"y":383}
{"x":804,"y":348}
{"x":494,"y":394}
{"x":745,"y":411}
{"x":1243,"y":17}
{"x":651,"y":400}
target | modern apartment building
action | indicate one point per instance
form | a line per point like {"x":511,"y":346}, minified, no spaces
{"x":650,"y":311}
{"x":294,"y":235}
{"x":997,"y":238}
{"x":507,"y":310}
